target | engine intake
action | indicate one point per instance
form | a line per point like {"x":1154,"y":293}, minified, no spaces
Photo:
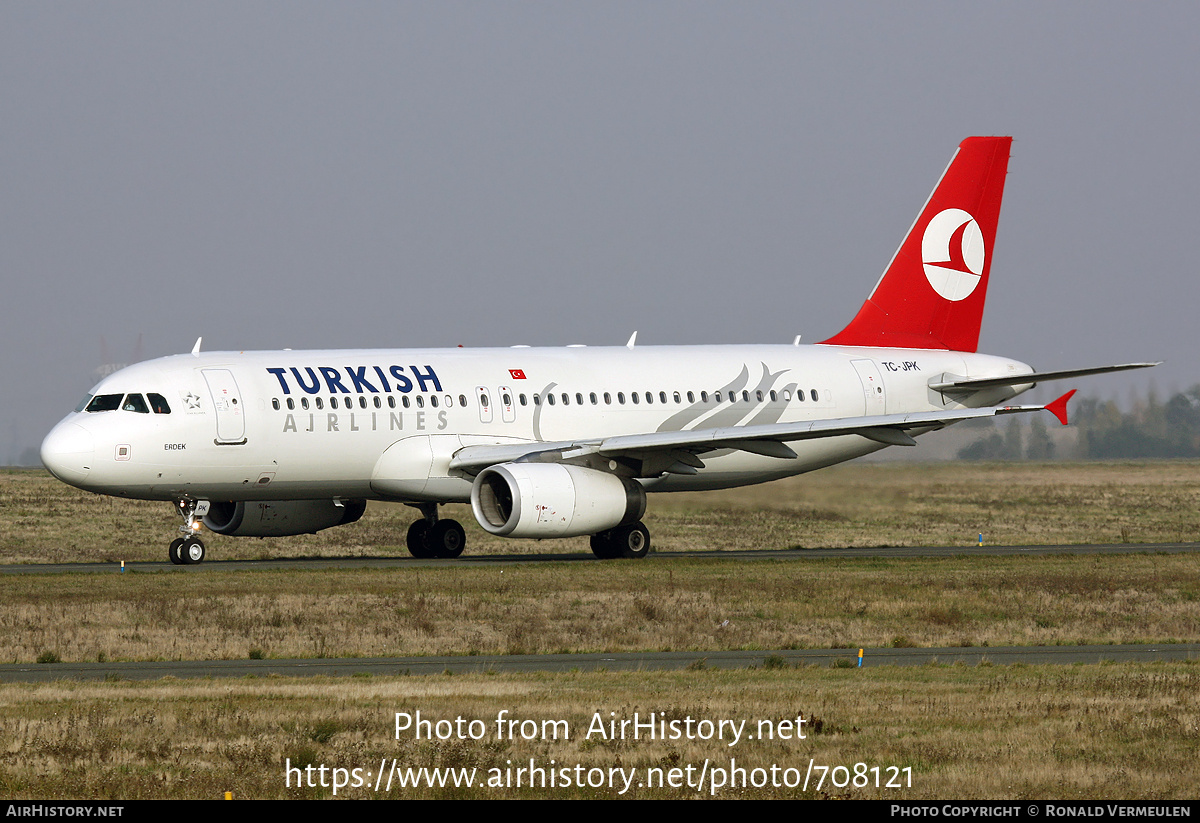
{"x":542,"y":500}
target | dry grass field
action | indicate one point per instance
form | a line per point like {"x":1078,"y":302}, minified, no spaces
{"x":1114,"y":731}
{"x":662,"y":604}
{"x":1012,"y":732}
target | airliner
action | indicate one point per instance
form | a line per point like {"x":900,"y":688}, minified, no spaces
{"x":556,"y":442}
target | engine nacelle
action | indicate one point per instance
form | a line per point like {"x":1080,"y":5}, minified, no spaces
{"x":280,"y":518}
{"x":541,"y":500}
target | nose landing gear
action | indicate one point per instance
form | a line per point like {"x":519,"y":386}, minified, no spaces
{"x":189,"y":549}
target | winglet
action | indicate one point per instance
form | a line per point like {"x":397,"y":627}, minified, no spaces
{"x":196,"y":348}
{"x":1058,"y":407}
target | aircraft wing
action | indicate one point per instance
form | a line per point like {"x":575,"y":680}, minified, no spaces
{"x":677,"y":451}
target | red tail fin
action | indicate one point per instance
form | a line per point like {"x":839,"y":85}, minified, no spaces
{"x":931,"y":295}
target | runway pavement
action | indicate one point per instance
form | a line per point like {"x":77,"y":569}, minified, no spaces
{"x":633,"y":661}
{"x":584,"y":556}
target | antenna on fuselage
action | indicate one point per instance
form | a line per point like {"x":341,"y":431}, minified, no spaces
{"x":632,"y":339}
{"x":196,"y":348}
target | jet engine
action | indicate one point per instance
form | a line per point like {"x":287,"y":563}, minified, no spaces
{"x":541,"y":500}
{"x":280,"y":518}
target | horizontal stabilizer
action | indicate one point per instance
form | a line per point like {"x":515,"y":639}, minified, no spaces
{"x":971,"y":384}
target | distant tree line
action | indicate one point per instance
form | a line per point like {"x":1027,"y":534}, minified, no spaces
{"x":1150,"y":429}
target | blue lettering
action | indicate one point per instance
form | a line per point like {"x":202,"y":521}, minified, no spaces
{"x":359,"y":379}
{"x":282,"y":383}
{"x":422,"y":378}
{"x":308,"y":380}
{"x":382,"y":379}
{"x":333,"y":379}
{"x":402,"y":382}
{"x":316,"y":384}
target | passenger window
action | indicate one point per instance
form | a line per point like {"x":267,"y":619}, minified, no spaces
{"x":104,"y":402}
{"x":550,"y":399}
{"x":275,"y":403}
{"x":159,"y":403}
{"x":362,"y":401}
{"x":136,"y":403}
{"x":691,"y":397}
{"x":320,"y":403}
{"x":813,"y":394}
{"x":421,"y":401}
{"x":391,"y":401}
{"x":759,"y":395}
{"x":662,"y":397}
{"x":378,"y":402}
{"x":607,"y":399}
{"x":566,"y":399}
{"x":291,"y":404}
{"x":677,"y":398}
{"x":649,"y":398}
{"x":304,"y":402}
{"x":787,"y":395}
{"x":634,"y":397}
{"x":462,"y":400}
{"x":406,"y":401}
{"x":703,"y":397}
{"x":621,"y":397}
{"x":433,"y":400}
{"x":579,"y":398}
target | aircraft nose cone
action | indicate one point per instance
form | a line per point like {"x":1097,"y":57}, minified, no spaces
{"x":68,"y":452}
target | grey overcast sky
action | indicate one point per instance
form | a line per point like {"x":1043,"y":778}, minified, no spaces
{"x":352,"y":174}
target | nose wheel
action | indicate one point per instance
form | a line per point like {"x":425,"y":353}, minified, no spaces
{"x":186,"y":551}
{"x":189,"y":549}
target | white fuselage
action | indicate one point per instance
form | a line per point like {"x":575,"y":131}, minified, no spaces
{"x":384,"y":424}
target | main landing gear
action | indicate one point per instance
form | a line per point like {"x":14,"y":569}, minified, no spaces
{"x":432,"y":537}
{"x":188,"y":550}
{"x":627,"y":540}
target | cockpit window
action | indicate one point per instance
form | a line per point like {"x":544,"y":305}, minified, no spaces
{"x":158,"y":403}
{"x":136,"y":403}
{"x":83,"y":404}
{"x":105,"y":402}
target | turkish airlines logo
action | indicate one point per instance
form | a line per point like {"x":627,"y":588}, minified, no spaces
{"x":953,"y":254}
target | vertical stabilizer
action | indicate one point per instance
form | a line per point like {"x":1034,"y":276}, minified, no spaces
{"x":931,"y":295}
